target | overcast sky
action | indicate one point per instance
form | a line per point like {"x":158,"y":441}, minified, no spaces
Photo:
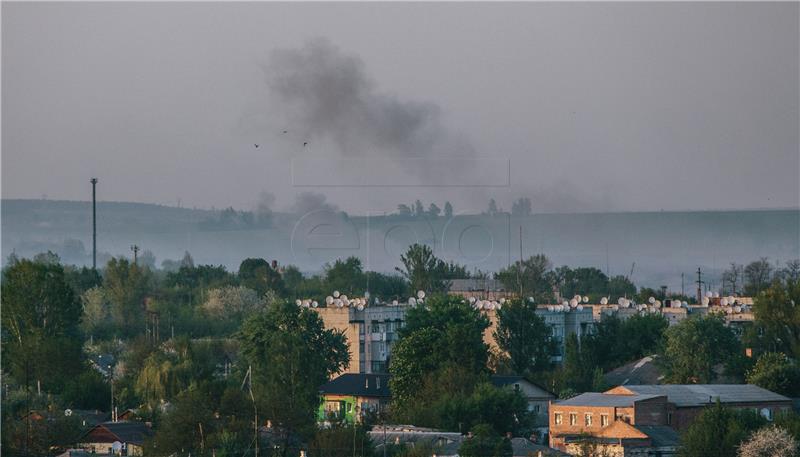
{"x":632,"y":106}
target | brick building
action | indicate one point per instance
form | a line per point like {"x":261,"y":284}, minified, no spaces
{"x":643,"y":419}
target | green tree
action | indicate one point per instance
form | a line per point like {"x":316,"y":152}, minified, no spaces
{"x":257,"y":274}
{"x":341,"y":441}
{"x":777,"y":310}
{"x":530,"y":276}
{"x":187,"y":427}
{"x":769,"y":441}
{"x":776,"y":372}
{"x":423,"y":270}
{"x":448,"y":210}
{"x":696,"y":346}
{"x":718,"y":431}
{"x":524,"y":337}
{"x":578,"y":370}
{"x":485,"y":442}
{"x":126,"y":285}
{"x":40,"y":319}
{"x":346,"y":276}
{"x":37,"y":301}
{"x":291,"y":355}
{"x":582,"y":281}
{"x":757,"y":276}
{"x":96,"y":309}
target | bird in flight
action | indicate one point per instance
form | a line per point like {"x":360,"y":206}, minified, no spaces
{"x":305,"y":144}
{"x":256,"y":146}
{"x":285,"y":131}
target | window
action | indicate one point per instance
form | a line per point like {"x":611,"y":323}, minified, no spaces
{"x":604,"y":420}
{"x":669,"y":418}
{"x":767,"y":413}
{"x":558,"y":419}
{"x":573,"y":418}
{"x":587,"y":419}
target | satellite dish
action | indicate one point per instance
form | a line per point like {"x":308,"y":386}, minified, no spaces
{"x":499,"y":306}
{"x":420,"y":294}
{"x":549,"y":307}
{"x":621,"y":301}
{"x":394,"y":302}
{"x":502,"y":301}
{"x":67,"y":412}
{"x":298,"y":302}
{"x":360,"y":307}
{"x":709,"y":294}
{"x":565,"y":303}
{"x":705,"y":301}
{"x":716,"y":294}
{"x":573,"y":303}
{"x":724,"y":301}
{"x":530,"y":299}
{"x":737,"y":309}
{"x":580,"y":307}
{"x":412,"y":301}
{"x":336,"y":294}
{"x":344,"y":298}
{"x":314,"y":304}
{"x":328,"y":300}
{"x":472,"y":300}
{"x":338,"y":303}
{"x":585,"y":299}
{"x":489,"y":306}
{"x":651,"y":300}
{"x":604,"y":301}
{"x":684,"y":304}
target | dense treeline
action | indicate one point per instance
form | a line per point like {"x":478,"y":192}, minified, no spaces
{"x":201,"y":352}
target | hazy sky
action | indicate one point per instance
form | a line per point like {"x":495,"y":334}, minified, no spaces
{"x":631,"y":106}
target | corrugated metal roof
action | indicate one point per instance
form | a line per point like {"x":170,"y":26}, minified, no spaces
{"x":701,"y":394}
{"x":601,"y":399}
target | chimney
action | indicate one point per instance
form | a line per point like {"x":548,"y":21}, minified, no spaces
{"x":274,"y":264}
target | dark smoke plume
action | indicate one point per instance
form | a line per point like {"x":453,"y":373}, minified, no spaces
{"x":329,"y":96}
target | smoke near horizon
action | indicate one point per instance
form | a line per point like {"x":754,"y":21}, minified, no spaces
{"x":587,"y":107}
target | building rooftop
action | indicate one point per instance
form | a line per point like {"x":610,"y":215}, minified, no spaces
{"x":474,"y":284}
{"x":701,"y":394}
{"x":124,"y":432}
{"x":661,"y":435}
{"x":602,"y":399}
{"x":358,"y":385}
{"x":642,"y":371}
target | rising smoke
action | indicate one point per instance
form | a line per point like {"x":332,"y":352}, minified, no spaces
{"x":329,"y":96}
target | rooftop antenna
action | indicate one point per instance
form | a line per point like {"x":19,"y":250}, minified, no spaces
{"x":135,"y":249}
{"x":699,"y":283}
{"x":94,"y":223}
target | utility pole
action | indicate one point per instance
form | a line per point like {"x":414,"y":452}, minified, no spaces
{"x":135,"y":250}
{"x":94,"y":223}
{"x":699,"y":283}
{"x":519,"y":270}
{"x":683,"y":291}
